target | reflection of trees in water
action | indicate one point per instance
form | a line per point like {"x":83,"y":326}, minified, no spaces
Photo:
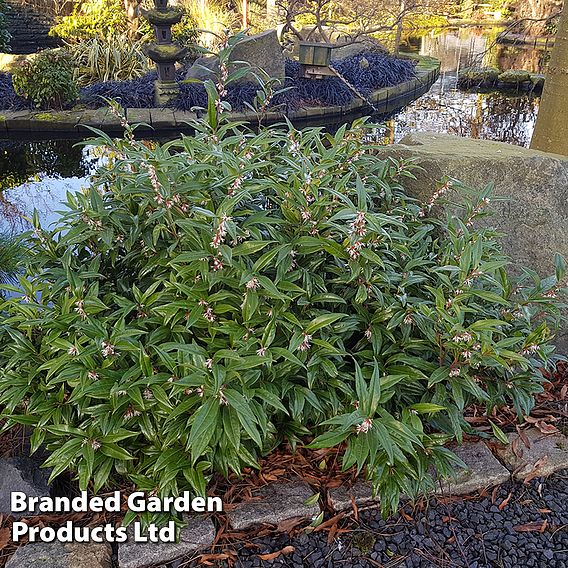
{"x":474,"y":115}
{"x":25,"y":162}
{"x":528,"y":59}
{"x":21,"y":162}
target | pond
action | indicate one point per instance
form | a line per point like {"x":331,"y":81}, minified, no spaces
{"x":38,"y":174}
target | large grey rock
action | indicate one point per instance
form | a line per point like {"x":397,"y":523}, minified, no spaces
{"x":534,"y":215}
{"x":59,"y":555}
{"x":273,"y":504}
{"x":260,"y":51}
{"x":347,"y":48}
{"x":546,"y":454}
{"x":21,"y":474}
{"x":198,"y":533}
{"x":203,"y":68}
{"x":483,"y":471}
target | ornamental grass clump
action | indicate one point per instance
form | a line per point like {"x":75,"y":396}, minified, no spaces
{"x":205,"y":300}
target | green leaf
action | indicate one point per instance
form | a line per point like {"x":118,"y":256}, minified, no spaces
{"x":426,"y":408}
{"x":498,"y":433}
{"x":203,"y":427}
{"x":323,"y":321}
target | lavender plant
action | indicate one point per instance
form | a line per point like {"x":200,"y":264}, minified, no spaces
{"x":208,"y":299}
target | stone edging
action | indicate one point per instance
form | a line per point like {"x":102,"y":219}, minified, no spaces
{"x":282,"y":501}
{"x":37,"y":125}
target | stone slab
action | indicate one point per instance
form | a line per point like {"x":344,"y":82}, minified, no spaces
{"x":483,"y":470}
{"x":361,"y":491}
{"x":162,"y":118}
{"x":260,"y":51}
{"x":138,"y":116}
{"x":273,"y":504}
{"x":21,"y":474}
{"x":550,"y":450}
{"x":183,"y":117}
{"x":18,"y":121}
{"x":94,"y":118}
{"x":62,"y":555}
{"x":55,"y":122}
{"x":199,"y":533}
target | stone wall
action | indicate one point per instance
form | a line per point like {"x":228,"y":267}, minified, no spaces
{"x":29,"y":29}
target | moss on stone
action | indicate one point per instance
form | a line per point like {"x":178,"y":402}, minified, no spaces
{"x":514,"y":76}
{"x":46,"y":116}
{"x":537,"y":79}
{"x":364,"y":541}
{"x":477,"y":76}
{"x":171,"y":17}
{"x":165,"y":53}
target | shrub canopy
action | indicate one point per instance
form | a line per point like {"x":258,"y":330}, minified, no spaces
{"x":204,"y":300}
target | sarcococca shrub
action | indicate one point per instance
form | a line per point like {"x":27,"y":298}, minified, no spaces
{"x":206,"y":299}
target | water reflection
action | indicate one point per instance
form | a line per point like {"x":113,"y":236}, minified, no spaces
{"x":486,"y":116}
{"x":477,"y":46}
{"x":505,"y":117}
{"x":37,"y":175}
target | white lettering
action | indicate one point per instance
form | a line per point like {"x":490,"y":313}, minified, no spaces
{"x":18,"y":501}
{"x":18,"y":529}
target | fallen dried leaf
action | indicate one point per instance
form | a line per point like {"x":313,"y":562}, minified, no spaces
{"x":536,"y":470}
{"x":546,"y":428}
{"x":4,"y":537}
{"x":524,"y":437}
{"x":273,"y":555}
{"x":505,"y":501}
{"x":516,"y":448}
{"x":531,"y":527}
{"x":355,"y":508}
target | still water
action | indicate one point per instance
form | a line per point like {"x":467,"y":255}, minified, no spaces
{"x":38,"y":174}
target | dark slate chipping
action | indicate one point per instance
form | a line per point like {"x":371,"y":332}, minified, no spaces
{"x":454,"y":534}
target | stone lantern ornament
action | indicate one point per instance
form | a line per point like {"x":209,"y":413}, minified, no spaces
{"x":164,"y":52}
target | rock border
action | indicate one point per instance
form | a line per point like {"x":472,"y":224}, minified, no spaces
{"x":156,"y":122}
{"x":487,"y":465}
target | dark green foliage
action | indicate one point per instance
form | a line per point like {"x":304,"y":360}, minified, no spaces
{"x":206,"y":299}
{"x":137,"y":93}
{"x":372,"y":70}
{"x":46,"y":80}
{"x":8,"y":97}
{"x":92,"y":18}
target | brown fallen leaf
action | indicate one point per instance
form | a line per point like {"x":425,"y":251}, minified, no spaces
{"x":273,"y":555}
{"x":536,"y":470}
{"x":524,"y":437}
{"x":212,"y":559}
{"x":4,"y":537}
{"x":505,"y":501}
{"x":289,"y":524}
{"x":532,"y":527}
{"x":516,"y":448}
{"x":355,"y":508}
{"x":546,"y":428}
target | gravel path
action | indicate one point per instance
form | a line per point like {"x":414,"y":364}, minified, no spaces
{"x":454,"y":533}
